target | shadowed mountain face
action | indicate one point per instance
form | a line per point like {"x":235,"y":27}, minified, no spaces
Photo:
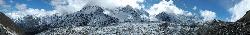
{"x":92,"y":20}
{"x":7,"y":23}
{"x":240,"y":27}
{"x":245,"y":18}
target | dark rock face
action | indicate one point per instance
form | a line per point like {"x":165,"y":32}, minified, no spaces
{"x":9,"y":24}
{"x":97,"y":17}
{"x":91,"y":10}
{"x":3,"y":31}
{"x":227,"y":28}
{"x":166,"y":17}
{"x":215,"y":27}
{"x":240,"y":27}
{"x":177,"y":19}
{"x":30,"y":25}
{"x":245,"y":18}
{"x":178,"y":24}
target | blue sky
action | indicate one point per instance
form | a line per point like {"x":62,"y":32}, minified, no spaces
{"x":37,"y":4}
{"x":220,"y":7}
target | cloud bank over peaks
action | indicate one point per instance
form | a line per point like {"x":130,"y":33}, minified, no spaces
{"x":69,"y":6}
{"x":23,"y":10}
{"x":166,"y":6}
{"x":239,"y":10}
{"x":21,"y":7}
{"x":208,"y":15}
{"x":76,"y":5}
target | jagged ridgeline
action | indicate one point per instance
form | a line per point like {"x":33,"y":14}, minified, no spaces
{"x":95,"y":20}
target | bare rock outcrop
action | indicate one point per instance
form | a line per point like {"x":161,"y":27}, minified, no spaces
{"x":9,"y":24}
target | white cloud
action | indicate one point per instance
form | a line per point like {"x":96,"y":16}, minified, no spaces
{"x":67,"y":6}
{"x":207,"y":15}
{"x":239,"y":10}
{"x":194,"y":8}
{"x":189,"y":14}
{"x":165,"y":6}
{"x":30,"y":11}
{"x":23,"y":11}
{"x":118,"y":3}
{"x":2,"y":2}
{"x":21,"y":7}
{"x":4,"y":7}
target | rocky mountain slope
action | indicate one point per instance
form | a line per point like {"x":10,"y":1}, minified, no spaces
{"x":8,"y":26}
{"x":240,"y":27}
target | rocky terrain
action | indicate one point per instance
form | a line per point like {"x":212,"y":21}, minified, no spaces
{"x":92,"y":20}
